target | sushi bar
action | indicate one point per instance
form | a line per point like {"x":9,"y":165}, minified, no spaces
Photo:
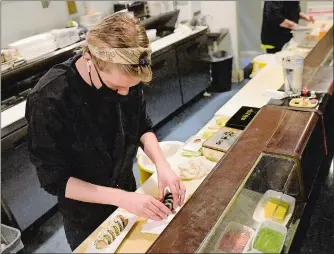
{"x":259,"y":189}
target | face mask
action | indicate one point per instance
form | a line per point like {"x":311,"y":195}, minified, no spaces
{"x":104,"y":90}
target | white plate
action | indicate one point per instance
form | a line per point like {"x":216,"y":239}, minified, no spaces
{"x":114,"y":245}
{"x":272,"y":225}
{"x":178,"y":160}
{"x":258,"y":214}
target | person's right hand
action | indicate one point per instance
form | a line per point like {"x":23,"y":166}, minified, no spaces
{"x":144,"y":206}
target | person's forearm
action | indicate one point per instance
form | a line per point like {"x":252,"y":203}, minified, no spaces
{"x":304,"y":16}
{"x":289,"y":24}
{"x":86,"y":192}
{"x":152,"y":148}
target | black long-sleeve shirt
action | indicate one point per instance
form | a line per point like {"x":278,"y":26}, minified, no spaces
{"x":74,"y":131}
{"x":274,"y":13}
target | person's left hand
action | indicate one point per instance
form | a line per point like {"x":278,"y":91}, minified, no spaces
{"x":167,"y":178}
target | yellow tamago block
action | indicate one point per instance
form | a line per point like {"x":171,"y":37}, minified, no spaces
{"x":269,"y":209}
{"x":280,"y":213}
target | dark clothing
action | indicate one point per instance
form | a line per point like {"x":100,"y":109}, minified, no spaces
{"x":274,"y":50}
{"x":75,"y":236}
{"x":274,"y":13}
{"x":102,"y":114}
{"x":74,"y":130}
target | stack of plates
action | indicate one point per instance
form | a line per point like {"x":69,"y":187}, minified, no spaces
{"x":35,"y":46}
{"x":90,"y":20}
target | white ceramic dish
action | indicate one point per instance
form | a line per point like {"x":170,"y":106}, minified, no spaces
{"x":114,"y":245}
{"x":169,"y":148}
{"x":237,"y":227}
{"x":178,"y":162}
{"x":258,"y":214}
{"x":272,"y":225}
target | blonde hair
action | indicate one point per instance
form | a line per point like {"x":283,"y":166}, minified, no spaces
{"x":120,"y":30}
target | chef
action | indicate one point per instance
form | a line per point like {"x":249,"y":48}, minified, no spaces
{"x":279,"y":18}
{"x":86,"y":118}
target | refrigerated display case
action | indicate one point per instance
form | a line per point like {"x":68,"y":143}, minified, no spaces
{"x":273,"y":177}
{"x":276,"y":159}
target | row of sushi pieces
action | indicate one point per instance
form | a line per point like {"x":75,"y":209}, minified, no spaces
{"x":111,"y":232}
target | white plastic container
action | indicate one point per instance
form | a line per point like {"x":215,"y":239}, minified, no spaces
{"x":258,"y":214}
{"x":193,"y":146}
{"x":259,"y":62}
{"x":272,"y":225}
{"x":10,"y":240}
{"x":151,"y":34}
{"x":169,"y":148}
{"x":293,"y":67}
{"x":300,"y":33}
{"x":236,"y":228}
{"x":90,"y":20}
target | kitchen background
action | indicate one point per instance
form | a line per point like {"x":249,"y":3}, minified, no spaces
{"x":20,"y":19}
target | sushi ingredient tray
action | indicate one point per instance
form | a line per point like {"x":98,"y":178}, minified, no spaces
{"x":111,"y":236}
{"x":281,"y":210}
{"x":193,"y":146}
{"x":235,"y":238}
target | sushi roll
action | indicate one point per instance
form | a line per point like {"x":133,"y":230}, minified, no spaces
{"x":168,"y":195}
{"x":169,"y":206}
{"x":124,"y":220}
{"x":168,"y":201}
{"x":108,"y":238}
{"x":101,"y":242}
{"x":115,"y":228}
{"x":112,"y":234}
{"x":119,"y":222}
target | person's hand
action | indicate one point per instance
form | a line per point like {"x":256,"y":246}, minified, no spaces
{"x":289,"y":24}
{"x":144,"y":206}
{"x":309,"y":18}
{"x":167,"y":178}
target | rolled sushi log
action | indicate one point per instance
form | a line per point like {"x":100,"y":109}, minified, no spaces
{"x":168,"y":201}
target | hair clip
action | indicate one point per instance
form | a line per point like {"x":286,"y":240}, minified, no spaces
{"x":144,"y":59}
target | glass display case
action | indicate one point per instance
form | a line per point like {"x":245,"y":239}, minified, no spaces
{"x":255,"y":198}
{"x":265,"y":212}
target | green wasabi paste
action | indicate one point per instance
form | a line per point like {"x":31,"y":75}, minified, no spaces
{"x":268,"y":241}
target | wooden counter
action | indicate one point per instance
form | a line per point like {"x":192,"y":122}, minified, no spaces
{"x":298,"y":135}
